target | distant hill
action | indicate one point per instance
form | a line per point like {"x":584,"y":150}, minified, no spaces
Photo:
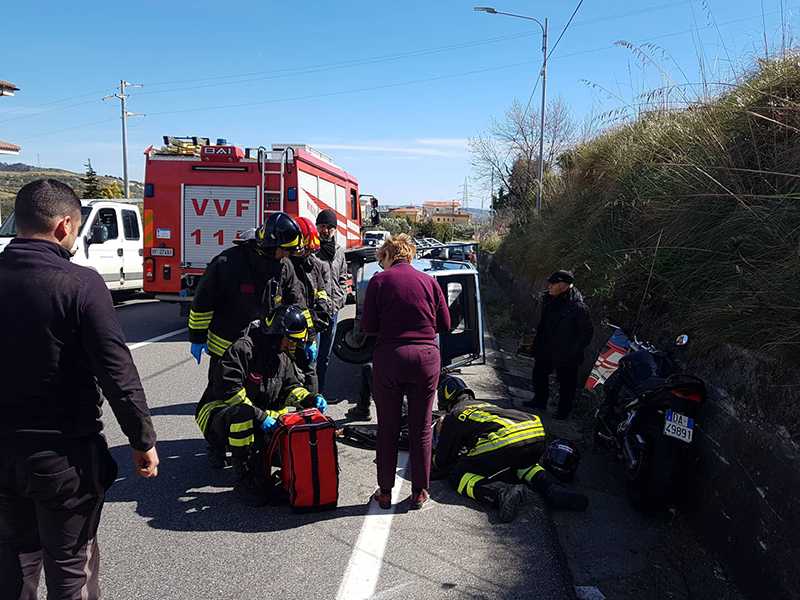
{"x":14,"y":176}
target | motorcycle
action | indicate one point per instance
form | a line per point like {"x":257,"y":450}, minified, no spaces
{"x":649,"y":416}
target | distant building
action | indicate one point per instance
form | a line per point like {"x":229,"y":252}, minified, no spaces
{"x":7,"y":89}
{"x":446,"y":211}
{"x":452,"y":218}
{"x":433,"y":207}
{"x":412,"y":213}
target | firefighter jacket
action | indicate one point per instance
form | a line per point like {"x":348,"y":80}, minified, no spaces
{"x":315,"y":279}
{"x":254,"y":371}
{"x":239,"y":286}
{"x":475,"y":428}
{"x":62,"y":345}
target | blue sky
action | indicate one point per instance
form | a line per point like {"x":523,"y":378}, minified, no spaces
{"x":392,"y":90}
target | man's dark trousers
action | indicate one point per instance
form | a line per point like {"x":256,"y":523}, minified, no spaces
{"x":567,"y":375}
{"x":51,"y":496}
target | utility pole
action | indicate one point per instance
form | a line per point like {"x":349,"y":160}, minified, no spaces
{"x":493,"y":11}
{"x":541,"y":125}
{"x":122,"y":97}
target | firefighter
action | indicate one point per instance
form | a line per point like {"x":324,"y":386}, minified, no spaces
{"x":315,"y":279}
{"x":254,"y":383}
{"x":244,"y":283}
{"x":487,"y":452}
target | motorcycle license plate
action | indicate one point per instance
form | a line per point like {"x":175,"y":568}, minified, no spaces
{"x":679,"y":426}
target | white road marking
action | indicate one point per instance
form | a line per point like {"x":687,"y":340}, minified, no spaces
{"x":158,"y":338}
{"x":361,"y":577}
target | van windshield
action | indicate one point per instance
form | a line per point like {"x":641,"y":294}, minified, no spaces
{"x":9,"y":226}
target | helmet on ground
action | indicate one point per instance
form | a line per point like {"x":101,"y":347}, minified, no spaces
{"x":561,"y":458}
{"x":450,"y":389}
{"x":287,"y":321}
{"x":279,"y":230}
{"x":308,"y":234}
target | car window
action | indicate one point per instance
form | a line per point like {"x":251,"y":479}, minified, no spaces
{"x":107,"y":217}
{"x":130,"y":224}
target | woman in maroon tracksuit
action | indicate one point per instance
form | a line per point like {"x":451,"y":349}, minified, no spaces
{"x":405,"y":308}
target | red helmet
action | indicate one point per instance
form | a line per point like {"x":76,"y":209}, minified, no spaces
{"x":308,"y":233}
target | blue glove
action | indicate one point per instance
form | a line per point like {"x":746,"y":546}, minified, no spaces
{"x":197,"y":351}
{"x":312,"y":350}
{"x":320,"y":403}
{"x":268,"y":424}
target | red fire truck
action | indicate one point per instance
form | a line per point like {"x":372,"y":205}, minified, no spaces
{"x":199,"y":197}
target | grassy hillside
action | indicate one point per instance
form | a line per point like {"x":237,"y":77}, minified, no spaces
{"x":14,"y":176}
{"x":709,"y":199}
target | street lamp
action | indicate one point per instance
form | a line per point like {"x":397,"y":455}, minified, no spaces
{"x":494,"y":11}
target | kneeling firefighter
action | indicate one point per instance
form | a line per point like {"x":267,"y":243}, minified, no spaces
{"x":315,"y":284}
{"x":254,"y":383}
{"x":487,"y":452}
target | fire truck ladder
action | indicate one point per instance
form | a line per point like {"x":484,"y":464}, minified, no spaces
{"x":262,"y":167}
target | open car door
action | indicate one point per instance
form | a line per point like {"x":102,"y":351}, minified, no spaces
{"x":463,"y":345}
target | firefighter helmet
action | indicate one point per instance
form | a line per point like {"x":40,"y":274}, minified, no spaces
{"x":309,"y":234}
{"x":287,"y":321}
{"x":242,"y":237}
{"x":450,"y":389}
{"x":279,"y":230}
{"x":561,"y":458}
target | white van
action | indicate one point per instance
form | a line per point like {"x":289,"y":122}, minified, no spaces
{"x":110,"y":242}
{"x":375,"y":237}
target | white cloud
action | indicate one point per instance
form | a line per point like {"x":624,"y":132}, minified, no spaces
{"x":434,"y":147}
{"x":460,"y":143}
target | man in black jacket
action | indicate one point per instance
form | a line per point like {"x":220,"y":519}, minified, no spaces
{"x":62,"y":345}
{"x":565,"y":329}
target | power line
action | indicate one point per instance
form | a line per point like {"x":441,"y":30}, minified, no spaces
{"x":277,"y":73}
{"x":346,"y":92}
{"x":563,"y":31}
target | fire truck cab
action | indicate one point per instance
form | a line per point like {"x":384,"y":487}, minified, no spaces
{"x":199,"y":197}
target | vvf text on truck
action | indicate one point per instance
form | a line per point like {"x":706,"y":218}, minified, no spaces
{"x":200,"y":197}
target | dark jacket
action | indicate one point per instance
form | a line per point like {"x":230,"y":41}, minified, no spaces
{"x":239,"y":286}
{"x":403,"y":305}
{"x":340,"y":275}
{"x":474,"y":428}
{"x":565,"y":328}
{"x":315,"y":282}
{"x":254,"y":370}
{"x":61,"y":338}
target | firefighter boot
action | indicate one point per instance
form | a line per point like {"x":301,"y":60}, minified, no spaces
{"x":246,"y":488}
{"x":509,"y":500}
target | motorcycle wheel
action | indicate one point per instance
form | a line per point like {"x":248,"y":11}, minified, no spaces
{"x":656,"y":482}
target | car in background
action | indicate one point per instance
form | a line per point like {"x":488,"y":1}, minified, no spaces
{"x":375,"y":237}
{"x":461,"y":346}
{"x":110,"y":242}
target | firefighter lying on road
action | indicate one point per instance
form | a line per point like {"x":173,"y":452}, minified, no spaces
{"x":253,"y":384}
{"x":486,"y":451}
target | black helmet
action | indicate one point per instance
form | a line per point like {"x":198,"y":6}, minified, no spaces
{"x":279,"y":230}
{"x":561,"y":458}
{"x":450,"y":388}
{"x":287,"y":321}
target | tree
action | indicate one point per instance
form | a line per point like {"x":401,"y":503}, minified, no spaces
{"x":509,"y":152}
{"x":91,"y":184}
{"x":112,"y":190}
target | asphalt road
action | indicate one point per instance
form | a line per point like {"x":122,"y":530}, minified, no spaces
{"x":184,"y":536}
